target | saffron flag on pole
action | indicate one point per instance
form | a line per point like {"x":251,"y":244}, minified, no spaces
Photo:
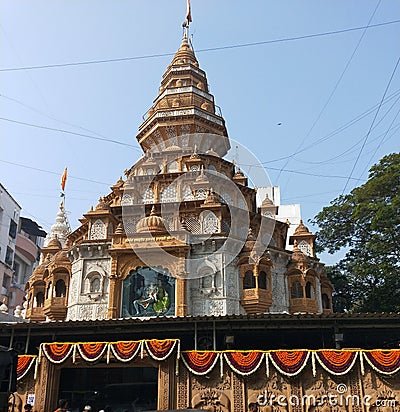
{"x":188,"y":13}
{"x":63,"y":179}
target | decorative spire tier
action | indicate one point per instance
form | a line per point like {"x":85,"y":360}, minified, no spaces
{"x":184,"y":107}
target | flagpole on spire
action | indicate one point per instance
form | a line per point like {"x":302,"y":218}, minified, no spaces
{"x":188,"y":19}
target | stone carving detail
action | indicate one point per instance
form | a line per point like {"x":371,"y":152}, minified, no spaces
{"x":187,"y":193}
{"x":182,"y":401}
{"x":212,"y":400}
{"x":305,"y":248}
{"x":126,"y":199}
{"x":164,"y":384}
{"x":383,"y":393}
{"x":210,"y":223}
{"x":169,"y":194}
{"x":238,"y":395}
{"x":170,"y":131}
{"x":216,"y":307}
{"x":98,"y":230}
{"x":148,"y":196}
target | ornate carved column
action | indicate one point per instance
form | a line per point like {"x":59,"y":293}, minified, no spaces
{"x":181,"y":305}
{"x":46,"y":388}
{"x":114,"y":292}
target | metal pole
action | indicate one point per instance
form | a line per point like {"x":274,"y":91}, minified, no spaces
{"x":214,"y":337}
{"x":195,"y":335}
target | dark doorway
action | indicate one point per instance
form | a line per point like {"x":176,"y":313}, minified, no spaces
{"x":122,"y":389}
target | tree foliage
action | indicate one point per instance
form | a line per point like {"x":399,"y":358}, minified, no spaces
{"x":366,"y":223}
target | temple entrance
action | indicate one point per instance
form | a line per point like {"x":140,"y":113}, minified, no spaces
{"x":122,"y":389}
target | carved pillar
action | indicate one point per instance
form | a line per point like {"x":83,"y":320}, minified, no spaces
{"x":182,"y":389}
{"x":166,"y":384}
{"x":181,"y":306}
{"x":238,"y":393}
{"x":114,"y":292}
{"x":46,"y":388}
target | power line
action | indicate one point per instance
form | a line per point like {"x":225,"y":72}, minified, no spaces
{"x":372,"y":124}
{"x":53,"y":173}
{"x":52,"y":117}
{"x":233,"y":46}
{"x":381,"y":142}
{"x":336,"y":131}
{"x":103,"y":139}
{"x":334,"y":88}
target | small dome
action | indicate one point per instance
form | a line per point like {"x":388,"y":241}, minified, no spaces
{"x":102,"y":205}
{"x":211,"y":152}
{"x":239,"y":173}
{"x":301,"y":229}
{"x":151,"y":223}
{"x":54,"y":243}
{"x":267,"y":202}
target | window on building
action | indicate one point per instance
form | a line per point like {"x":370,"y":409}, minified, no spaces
{"x":13,"y":229}
{"x":94,"y":285}
{"x":309,"y":291}
{"x":296,"y":290}
{"x":6,"y":281}
{"x":326,"y":304}
{"x":249,"y":281}
{"x":49,"y":291}
{"x":40,"y":299}
{"x":60,"y":289}
{"x":262,"y":280}
{"x":9,"y":256}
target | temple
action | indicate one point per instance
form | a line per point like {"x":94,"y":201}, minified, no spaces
{"x":178,"y":270}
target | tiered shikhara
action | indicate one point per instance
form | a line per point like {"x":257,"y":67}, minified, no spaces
{"x":181,"y":210}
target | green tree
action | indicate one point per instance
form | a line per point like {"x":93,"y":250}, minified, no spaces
{"x":366,"y":223}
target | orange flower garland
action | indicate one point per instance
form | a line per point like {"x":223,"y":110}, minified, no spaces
{"x":25,"y":363}
{"x":386,"y":362}
{"x":57,"y":352}
{"x":200,"y":363}
{"x":337,"y":362}
{"x":289,"y":363}
{"x":244,"y":363}
{"x":125,"y":351}
{"x":91,"y":352}
{"x":161,"y":349}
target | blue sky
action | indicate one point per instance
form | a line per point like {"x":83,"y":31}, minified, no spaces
{"x":276,"y":98}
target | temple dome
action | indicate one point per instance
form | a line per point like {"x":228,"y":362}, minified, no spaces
{"x":301,"y":229}
{"x":151,"y":223}
{"x":102,"y":205}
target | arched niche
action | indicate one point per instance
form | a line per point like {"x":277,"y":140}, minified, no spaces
{"x":148,"y":292}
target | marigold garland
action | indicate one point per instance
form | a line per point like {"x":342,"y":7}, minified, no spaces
{"x":386,"y":362}
{"x":91,"y":351}
{"x":57,"y":352}
{"x":336,"y":362}
{"x":125,"y":351}
{"x":160,"y":349}
{"x":200,"y":363}
{"x":244,"y":363}
{"x":289,"y":363}
{"x":24,"y":365}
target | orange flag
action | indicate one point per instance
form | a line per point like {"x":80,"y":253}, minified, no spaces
{"x":188,"y":13}
{"x":63,"y":179}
